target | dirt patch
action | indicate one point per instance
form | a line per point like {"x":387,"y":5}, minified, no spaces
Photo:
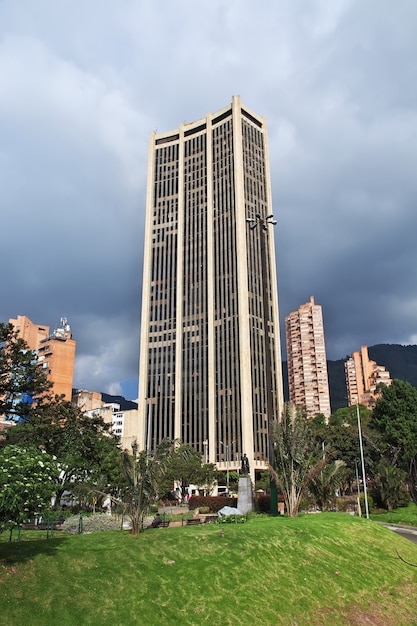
{"x":396,"y":607}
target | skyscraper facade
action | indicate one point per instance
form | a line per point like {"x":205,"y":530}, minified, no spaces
{"x":363,"y":377}
{"x":306,"y":356}
{"x":209,"y":302}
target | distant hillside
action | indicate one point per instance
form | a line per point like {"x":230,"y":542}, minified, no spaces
{"x":400,"y":361}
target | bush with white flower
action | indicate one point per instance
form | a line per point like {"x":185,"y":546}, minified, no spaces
{"x":28,"y":479}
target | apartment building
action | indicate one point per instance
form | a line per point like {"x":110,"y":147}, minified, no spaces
{"x":306,"y":357}
{"x":363,"y":377}
{"x":55,"y":351}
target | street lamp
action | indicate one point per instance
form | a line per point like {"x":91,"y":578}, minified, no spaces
{"x":226,"y":446}
{"x":365,"y":494}
{"x":357,"y":486}
{"x":264,"y":223}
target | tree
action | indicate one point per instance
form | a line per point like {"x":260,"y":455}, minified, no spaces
{"x":323,"y":481}
{"x":295,"y":455}
{"x":86,"y":450}
{"x":185,"y":467}
{"x":22,"y":381}
{"x":264,"y":482}
{"x":143,"y":474}
{"x":395,"y":417}
{"x":388,"y":484}
{"x":27,"y":482}
{"x":340,"y":440}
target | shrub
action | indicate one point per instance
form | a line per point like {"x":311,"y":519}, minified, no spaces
{"x":404,"y":498}
{"x":305,"y":504}
{"x":262,"y":503}
{"x":342,"y":505}
{"x":370,"y":502}
{"x":91,"y":523}
{"x":213,"y":503}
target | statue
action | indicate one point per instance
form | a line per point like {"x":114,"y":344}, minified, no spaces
{"x":245,"y":465}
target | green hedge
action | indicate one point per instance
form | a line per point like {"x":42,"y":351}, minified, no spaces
{"x":214,"y":503}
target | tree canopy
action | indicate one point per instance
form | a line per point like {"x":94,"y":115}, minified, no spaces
{"x":395,"y":417}
{"x":143,"y":474}
{"x":22,"y":381}
{"x":27,"y":482}
{"x":295,"y":455}
{"x":84,"y":447}
{"x":185,"y":467}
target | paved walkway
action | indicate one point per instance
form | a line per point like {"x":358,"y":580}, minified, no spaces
{"x":408,"y":532}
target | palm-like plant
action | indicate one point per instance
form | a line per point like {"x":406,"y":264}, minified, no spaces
{"x":323,"y":481}
{"x":295,"y":453}
{"x":389,"y":481}
{"x":143,"y":473}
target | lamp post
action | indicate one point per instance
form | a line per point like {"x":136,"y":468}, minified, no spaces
{"x":225,"y":445}
{"x":264,"y":223}
{"x":365,"y":494}
{"x":205,"y":444}
{"x":357,"y":487}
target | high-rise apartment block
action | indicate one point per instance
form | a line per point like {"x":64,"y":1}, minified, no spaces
{"x":306,"y":356}
{"x":55,"y":351}
{"x":363,"y":377}
{"x":210,"y":305}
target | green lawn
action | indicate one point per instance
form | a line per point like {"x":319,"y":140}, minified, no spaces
{"x":406,"y":515}
{"x":317,"y":569}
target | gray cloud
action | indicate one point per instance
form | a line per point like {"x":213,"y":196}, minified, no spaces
{"x":82,"y":86}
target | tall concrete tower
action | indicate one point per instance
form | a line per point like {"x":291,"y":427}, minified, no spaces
{"x":210,"y":355}
{"x":306,"y":355}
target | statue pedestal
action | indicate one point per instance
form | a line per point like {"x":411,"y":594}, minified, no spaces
{"x":245,"y":496}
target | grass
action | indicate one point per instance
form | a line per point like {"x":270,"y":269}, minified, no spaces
{"x":325,"y":569}
{"x":406,"y":515}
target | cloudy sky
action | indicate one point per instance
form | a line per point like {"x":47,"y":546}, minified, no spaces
{"x":82,"y":84}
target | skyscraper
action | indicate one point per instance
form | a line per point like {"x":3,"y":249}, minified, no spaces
{"x":306,"y":356}
{"x":210,"y":357}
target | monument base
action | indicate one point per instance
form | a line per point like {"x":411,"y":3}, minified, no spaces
{"x":245,"y":496}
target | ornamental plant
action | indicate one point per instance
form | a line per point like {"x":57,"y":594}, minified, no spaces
{"x":28,"y":479}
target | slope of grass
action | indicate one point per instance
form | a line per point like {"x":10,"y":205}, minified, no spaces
{"x":318,"y":569}
{"x":406,"y":515}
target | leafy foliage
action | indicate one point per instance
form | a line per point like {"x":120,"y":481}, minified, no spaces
{"x":98,"y":522}
{"x":27,"y":482}
{"x":395,"y":417}
{"x":21,"y":380}
{"x":323,"y":481}
{"x":295,"y":455}
{"x":83,"y":446}
{"x":185,"y":467}
{"x":339,"y":439}
{"x":143,"y":474}
{"x":213,"y":503}
{"x":388,"y":485}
